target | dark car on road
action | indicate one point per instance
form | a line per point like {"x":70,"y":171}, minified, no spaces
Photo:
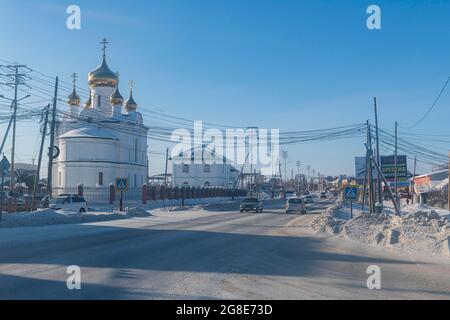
{"x":308,"y":199}
{"x":251,"y":204}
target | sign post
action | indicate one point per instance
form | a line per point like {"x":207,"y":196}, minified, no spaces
{"x":121,"y":184}
{"x":4,"y":167}
{"x":351,"y":194}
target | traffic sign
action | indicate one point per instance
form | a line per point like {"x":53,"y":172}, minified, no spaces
{"x":121,"y":184}
{"x":351,"y":193}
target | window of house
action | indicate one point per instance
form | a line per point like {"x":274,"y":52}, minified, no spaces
{"x":100,"y":178}
{"x":60,"y":178}
{"x":185,"y":168}
{"x":207,"y":168}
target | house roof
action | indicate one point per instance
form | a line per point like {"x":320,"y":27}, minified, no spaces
{"x":89,"y":133}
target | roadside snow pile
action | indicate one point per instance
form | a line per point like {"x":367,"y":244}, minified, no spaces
{"x":222,"y":206}
{"x":52,"y":217}
{"x":215,"y":206}
{"x":136,"y":212}
{"x":174,"y":209}
{"x":423,"y":231}
{"x":420,"y":229}
{"x":414,"y":208}
{"x":329,"y":221}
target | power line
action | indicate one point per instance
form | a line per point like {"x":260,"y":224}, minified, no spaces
{"x":422,"y":119}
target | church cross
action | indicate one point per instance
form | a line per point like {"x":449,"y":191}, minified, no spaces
{"x":105,"y":45}
{"x":74,"y":79}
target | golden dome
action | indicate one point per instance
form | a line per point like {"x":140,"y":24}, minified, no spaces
{"x":73,"y":99}
{"x":103,"y":76}
{"x":116,"y":98}
{"x":130,"y":104}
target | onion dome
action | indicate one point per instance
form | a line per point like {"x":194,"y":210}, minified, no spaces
{"x":74,"y":99}
{"x":130,"y":104}
{"x":116,"y":98}
{"x":103,"y":76}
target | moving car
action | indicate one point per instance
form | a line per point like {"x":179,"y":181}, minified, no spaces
{"x":308,"y":199}
{"x":251,"y":204}
{"x":295,"y":205}
{"x":69,"y":203}
{"x":323,"y":195}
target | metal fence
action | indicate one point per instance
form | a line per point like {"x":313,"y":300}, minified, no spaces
{"x":149,"y":193}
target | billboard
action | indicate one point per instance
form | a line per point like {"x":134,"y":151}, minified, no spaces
{"x":360,"y":170}
{"x":388,"y":168}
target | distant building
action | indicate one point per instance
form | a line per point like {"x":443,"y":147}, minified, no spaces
{"x":209,"y":172}
{"x":432,"y":188}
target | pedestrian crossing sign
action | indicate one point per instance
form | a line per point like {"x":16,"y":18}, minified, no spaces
{"x":121,"y":184}
{"x":351,"y":193}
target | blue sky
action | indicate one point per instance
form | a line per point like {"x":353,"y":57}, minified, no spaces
{"x":293,"y":65}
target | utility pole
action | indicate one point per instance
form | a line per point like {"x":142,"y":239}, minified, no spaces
{"x":312,"y":180}
{"x":298,"y":178}
{"x":285,"y":156}
{"x":254,"y":135}
{"x":51,"y":148}
{"x":281,"y":178}
{"x":371,"y":186}
{"x":308,"y":167}
{"x":413,"y":191}
{"x":41,"y":150}
{"x":395,"y":163}
{"x":165,"y":170}
{"x":17,"y":76}
{"x":396,"y":206}
{"x":380,"y":195}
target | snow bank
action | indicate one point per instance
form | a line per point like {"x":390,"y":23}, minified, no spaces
{"x":52,"y":217}
{"x":220,"y":204}
{"x":419,"y":229}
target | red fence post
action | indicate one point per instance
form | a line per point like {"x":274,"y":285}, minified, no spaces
{"x":144,"y":193}
{"x":112,"y":193}
{"x":80,"y":190}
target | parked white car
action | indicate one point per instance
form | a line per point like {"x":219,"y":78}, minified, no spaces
{"x":69,"y":203}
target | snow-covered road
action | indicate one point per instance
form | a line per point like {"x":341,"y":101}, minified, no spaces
{"x":206,"y":255}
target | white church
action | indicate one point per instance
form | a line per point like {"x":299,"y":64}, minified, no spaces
{"x":102,"y":140}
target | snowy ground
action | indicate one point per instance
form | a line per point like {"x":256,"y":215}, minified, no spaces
{"x":209,"y":255}
{"x":419,"y":229}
